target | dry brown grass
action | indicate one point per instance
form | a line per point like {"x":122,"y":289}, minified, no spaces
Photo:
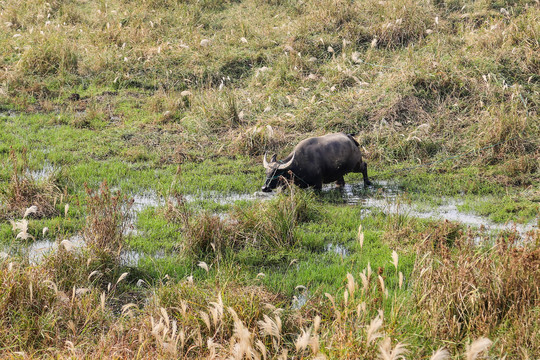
{"x":465,"y":291}
{"x":56,"y":308}
{"x":24,"y":306}
{"x":207,"y":233}
{"x":221,"y":110}
{"x":191,"y":319}
{"x":257,"y":140}
{"x":437,"y":53}
{"x":408,"y":110}
{"x":386,"y":24}
{"x":447,"y":77}
{"x":50,"y":56}
{"x":272,"y":225}
{"x":23,"y":191}
{"x":107,"y":220}
{"x":401,"y":23}
{"x":506,"y":126}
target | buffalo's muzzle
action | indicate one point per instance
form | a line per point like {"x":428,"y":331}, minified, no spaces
{"x":266,"y":189}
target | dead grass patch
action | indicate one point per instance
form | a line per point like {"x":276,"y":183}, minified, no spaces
{"x":483,"y":290}
{"x":107,"y":221}
{"x":406,"y":110}
{"x":49,"y":57}
{"x":23,"y":191}
{"x":257,"y":140}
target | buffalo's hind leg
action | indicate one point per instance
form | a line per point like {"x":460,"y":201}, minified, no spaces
{"x":318,"y":185}
{"x":363,"y":170}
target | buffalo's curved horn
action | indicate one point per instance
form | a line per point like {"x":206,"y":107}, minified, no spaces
{"x":265,"y":163}
{"x":287,"y":164}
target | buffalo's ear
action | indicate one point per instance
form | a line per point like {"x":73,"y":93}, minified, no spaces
{"x":274,"y":158}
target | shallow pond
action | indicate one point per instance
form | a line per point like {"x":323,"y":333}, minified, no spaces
{"x":387,"y":197}
{"x":338,"y":249}
{"x":37,"y":251}
{"x":358,"y":194}
{"x":42,"y":174}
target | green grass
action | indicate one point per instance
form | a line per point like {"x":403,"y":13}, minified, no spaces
{"x":308,"y":262}
{"x":503,"y":209}
{"x":157,"y":234}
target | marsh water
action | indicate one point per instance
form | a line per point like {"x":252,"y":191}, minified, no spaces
{"x":384,"y":196}
{"x":37,"y":250}
{"x":388,"y":198}
{"x":44,"y":173}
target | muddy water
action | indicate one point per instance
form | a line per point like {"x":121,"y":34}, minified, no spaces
{"x":386,"y":196}
{"x":300,"y":300}
{"x":450,"y":212}
{"x":38,"y":250}
{"x":131,"y":257}
{"x":230,"y":198}
{"x":354,"y":194}
{"x":146,"y":200}
{"x":9,"y":113}
{"x":151,"y":199}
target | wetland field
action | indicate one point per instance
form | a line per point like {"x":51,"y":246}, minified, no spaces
{"x":132,"y":222}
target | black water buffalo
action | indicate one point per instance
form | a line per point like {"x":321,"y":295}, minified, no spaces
{"x":316,"y":161}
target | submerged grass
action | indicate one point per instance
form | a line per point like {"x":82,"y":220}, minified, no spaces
{"x":504,"y":209}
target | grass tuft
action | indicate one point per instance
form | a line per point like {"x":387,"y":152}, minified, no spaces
{"x":108,"y":219}
{"x":50,"y":56}
{"x":483,"y":290}
{"x":273,"y":225}
{"x":24,"y":191}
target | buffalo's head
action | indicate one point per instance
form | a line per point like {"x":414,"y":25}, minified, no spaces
{"x":276,"y":172}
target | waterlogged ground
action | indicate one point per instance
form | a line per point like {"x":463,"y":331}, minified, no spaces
{"x":388,"y":197}
{"x":146,"y":165}
{"x":154,"y":244}
{"x":167,"y":197}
